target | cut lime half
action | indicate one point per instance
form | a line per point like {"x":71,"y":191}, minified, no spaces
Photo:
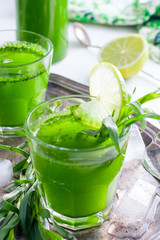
{"x":128,"y":53}
{"x":108,"y":94}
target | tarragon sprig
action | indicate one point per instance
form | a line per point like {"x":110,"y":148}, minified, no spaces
{"x":130,"y":113}
{"x":22,"y":205}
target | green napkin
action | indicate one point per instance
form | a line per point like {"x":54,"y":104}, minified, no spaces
{"x":151,"y":31}
{"x":115,"y":12}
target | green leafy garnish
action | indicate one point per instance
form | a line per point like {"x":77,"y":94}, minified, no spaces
{"x":130,"y":113}
{"x":15,"y":149}
{"x":23,"y":206}
{"x":112,"y":129}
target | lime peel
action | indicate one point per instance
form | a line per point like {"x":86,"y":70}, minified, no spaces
{"x":108,"y":95}
{"x":128,"y":53}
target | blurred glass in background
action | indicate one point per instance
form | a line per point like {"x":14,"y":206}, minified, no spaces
{"x":48,"y":18}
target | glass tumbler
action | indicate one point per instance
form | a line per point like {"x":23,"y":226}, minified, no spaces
{"x":25,"y":60}
{"x":78,"y":185}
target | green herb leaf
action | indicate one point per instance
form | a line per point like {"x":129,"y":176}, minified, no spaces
{"x":148,"y":165}
{"x":23,"y":145}
{"x":23,"y":207}
{"x":9,"y":207}
{"x":44,"y":213}
{"x":4,"y":231}
{"x":15,"y":194}
{"x":63,"y":232}
{"x":134,"y":90}
{"x":8,"y":217}
{"x":47,"y":234}
{"x":33,"y":231}
{"x":135,"y":119}
{"x":149,"y":96}
{"x":3,"y":214}
{"x":18,"y":183}
{"x":1,"y":206}
{"x":113,"y":131}
{"x":152,"y":115}
{"x":138,"y":110}
{"x":14,"y":149}
{"x":11,"y":235}
{"x":20,"y":165}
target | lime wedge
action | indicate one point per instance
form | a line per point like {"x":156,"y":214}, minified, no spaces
{"x":108,"y":94}
{"x":128,"y":53}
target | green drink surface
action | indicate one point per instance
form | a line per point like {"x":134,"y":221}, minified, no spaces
{"x":23,"y":81}
{"x":80,"y":188}
{"x":64,"y":132}
{"x":20,"y":53}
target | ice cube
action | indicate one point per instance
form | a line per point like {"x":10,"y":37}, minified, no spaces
{"x":136,"y":146}
{"x":6,"y":172}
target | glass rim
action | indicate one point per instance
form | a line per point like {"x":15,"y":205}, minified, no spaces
{"x":51,"y":146}
{"x":32,"y":33}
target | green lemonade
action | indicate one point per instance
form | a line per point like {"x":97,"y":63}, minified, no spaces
{"x":22,"y":85}
{"x":48,"y":18}
{"x":74,"y":189}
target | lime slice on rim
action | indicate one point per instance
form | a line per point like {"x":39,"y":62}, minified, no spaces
{"x":108,"y":95}
{"x":128,"y":53}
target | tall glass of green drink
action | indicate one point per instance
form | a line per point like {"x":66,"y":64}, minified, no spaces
{"x":25,"y":60}
{"x":77,"y":173}
{"x":46,"y":17}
